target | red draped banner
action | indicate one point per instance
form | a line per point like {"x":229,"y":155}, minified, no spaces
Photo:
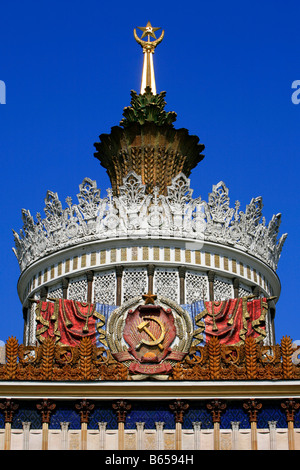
{"x":232,"y":321}
{"x":68,"y":321}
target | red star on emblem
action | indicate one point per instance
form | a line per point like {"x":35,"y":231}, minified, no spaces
{"x":149,"y":298}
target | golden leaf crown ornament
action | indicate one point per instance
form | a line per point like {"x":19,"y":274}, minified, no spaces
{"x":147,"y":108}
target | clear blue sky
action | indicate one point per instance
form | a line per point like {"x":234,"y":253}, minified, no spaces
{"x":227,"y":68}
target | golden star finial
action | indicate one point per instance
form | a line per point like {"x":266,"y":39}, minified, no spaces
{"x":149,"y":298}
{"x":148,"y":30}
{"x":148,"y":77}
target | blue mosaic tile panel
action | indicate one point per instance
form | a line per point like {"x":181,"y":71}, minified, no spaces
{"x":271,"y":412}
{"x":197,"y":412}
{"x":103,"y":412}
{"x":234,"y":412}
{"x":65,"y":412}
{"x":27,"y":412}
{"x":149,"y":413}
{"x":297,"y":419}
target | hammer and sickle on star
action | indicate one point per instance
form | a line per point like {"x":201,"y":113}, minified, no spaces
{"x":155,"y":341}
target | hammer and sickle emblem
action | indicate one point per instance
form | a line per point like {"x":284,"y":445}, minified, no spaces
{"x":143,"y":326}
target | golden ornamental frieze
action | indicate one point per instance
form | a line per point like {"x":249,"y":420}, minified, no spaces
{"x":214,"y":361}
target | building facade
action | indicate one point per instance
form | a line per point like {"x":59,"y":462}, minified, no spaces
{"x":149,"y":314}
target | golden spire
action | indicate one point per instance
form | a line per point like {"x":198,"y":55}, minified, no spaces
{"x":148,"y":77}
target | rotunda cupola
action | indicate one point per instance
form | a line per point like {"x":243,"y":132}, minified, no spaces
{"x":148,"y":235}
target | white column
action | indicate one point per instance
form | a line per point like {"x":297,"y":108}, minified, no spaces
{"x":102,"y":435}
{"x":235,"y":434}
{"x":140,"y":435}
{"x":64,"y":435}
{"x":26,"y":431}
{"x":7,"y":436}
{"x":197,"y":435}
{"x":178,"y":436}
{"x":273,"y":441}
{"x":159,"y":435}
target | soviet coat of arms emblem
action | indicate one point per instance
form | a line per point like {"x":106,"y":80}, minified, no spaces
{"x":149,"y":335}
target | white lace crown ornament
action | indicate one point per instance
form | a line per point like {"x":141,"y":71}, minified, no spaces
{"x":135,"y":214}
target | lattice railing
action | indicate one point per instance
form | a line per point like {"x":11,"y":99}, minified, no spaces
{"x":105,"y":287}
{"x":78,"y":289}
{"x":135,"y":283}
{"x":166,"y":283}
{"x":196,"y":286}
{"x":222,"y":289}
